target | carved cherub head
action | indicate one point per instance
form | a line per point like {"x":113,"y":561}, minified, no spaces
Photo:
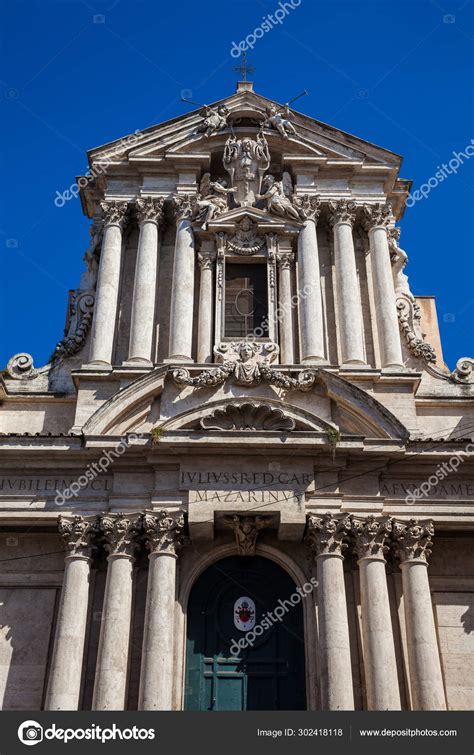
{"x":246,"y":351}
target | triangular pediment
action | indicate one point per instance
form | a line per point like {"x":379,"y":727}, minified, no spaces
{"x":265,"y":221}
{"x":179,"y":138}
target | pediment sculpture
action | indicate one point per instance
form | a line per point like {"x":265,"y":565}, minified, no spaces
{"x":212,"y":200}
{"x":246,"y":240}
{"x":215,"y":119}
{"x":246,"y":161}
{"x":278,"y":118}
{"x":249,"y":364}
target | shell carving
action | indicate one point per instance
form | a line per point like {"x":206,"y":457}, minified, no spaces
{"x":248,"y":417}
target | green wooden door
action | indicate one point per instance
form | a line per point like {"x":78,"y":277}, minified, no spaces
{"x":269,"y":675}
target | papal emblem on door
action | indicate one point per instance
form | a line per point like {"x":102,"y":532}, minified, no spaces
{"x":244,"y":614}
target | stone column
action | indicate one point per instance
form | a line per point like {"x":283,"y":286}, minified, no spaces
{"x":64,"y":685}
{"x":150,"y":213}
{"x":285,"y":309}
{"x":108,"y":280}
{"x":110,"y":683}
{"x":206,"y":308}
{"x":326,"y":535}
{"x":182,"y":293}
{"x":164,"y":536}
{"x":380,"y":665}
{"x":413,"y":541}
{"x":349,"y":308}
{"x":378,"y":218}
{"x":309,"y":283}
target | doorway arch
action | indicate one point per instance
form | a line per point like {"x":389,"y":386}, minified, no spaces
{"x":245,"y":645}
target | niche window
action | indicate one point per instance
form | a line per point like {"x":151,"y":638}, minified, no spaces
{"x":246,"y":301}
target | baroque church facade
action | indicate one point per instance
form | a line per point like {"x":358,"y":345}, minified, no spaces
{"x":244,"y":479}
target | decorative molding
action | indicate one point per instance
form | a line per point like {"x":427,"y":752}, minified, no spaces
{"x":413,"y":541}
{"x":163,"y":531}
{"x":309,"y":207}
{"x":249,"y":364}
{"x":79,"y":535}
{"x":120,"y":534}
{"x":150,"y":208}
{"x":248,"y":416}
{"x":464,"y":371}
{"x":377,"y":215}
{"x":407,"y":315}
{"x":342,"y":211}
{"x":114,"y":212}
{"x":326,"y":535}
{"x":246,"y":240}
{"x":21,"y":367}
{"x":370,"y":535}
{"x":246,"y":530}
{"x":82,"y":310}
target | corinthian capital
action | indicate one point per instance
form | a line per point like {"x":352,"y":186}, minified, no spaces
{"x":342,"y":211}
{"x":309,"y":207}
{"x":378,"y":215}
{"x":370,"y":535}
{"x":184,"y":206}
{"x":206,"y":261}
{"x":413,"y":540}
{"x":114,"y":212}
{"x":150,"y":208}
{"x":119,"y":534}
{"x":163,"y":531}
{"x":285,"y":261}
{"x":79,"y":535}
{"x":326,"y":534}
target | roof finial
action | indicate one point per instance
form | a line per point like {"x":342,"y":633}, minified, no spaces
{"x":244,"y":69}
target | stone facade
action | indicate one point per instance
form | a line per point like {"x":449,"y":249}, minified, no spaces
{"x":330,"y":439}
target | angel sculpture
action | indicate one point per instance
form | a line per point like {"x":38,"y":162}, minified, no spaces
{"x":213,"y":199}
{"x":215,"y":119}
{"x":279,"y":119}
{"x":277,"y":196}
{"x":399,"y":259}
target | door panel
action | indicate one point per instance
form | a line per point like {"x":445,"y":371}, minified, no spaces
{"x":269,"y":675}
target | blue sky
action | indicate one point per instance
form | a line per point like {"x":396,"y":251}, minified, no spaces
{"x":79,"y":74}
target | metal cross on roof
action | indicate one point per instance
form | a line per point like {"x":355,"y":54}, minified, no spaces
{"x":244,"y":68}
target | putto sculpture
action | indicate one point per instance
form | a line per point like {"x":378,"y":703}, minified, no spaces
{"x":278,"y":119}
{"x":215,"y":119}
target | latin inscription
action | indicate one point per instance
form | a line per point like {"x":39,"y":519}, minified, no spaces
{"x":48,"y":485}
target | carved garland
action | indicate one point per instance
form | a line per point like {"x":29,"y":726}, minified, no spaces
{"x":407,"y":312}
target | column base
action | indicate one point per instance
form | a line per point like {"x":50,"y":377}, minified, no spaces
{"x":137,"y":362}
{"x":99,"y":365}
{"x":178,"y":358}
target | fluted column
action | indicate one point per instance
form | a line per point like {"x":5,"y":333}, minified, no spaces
{"x":108,"y":281}
{"x":64,"y":685}
{"x":163,"y":531}
{"x":380,"y":665}
{"x":110,"y":685}
{"x":150,"y":213}
{"x":326,"y":536}
{"x":349,"y":308}
{"x":285,"y":309}
{"x":182,"y":292}
{"x":378,"y":218}
{"x":413,"y":541}
{"x":206,"y":308}
{"x":309,"y":283}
